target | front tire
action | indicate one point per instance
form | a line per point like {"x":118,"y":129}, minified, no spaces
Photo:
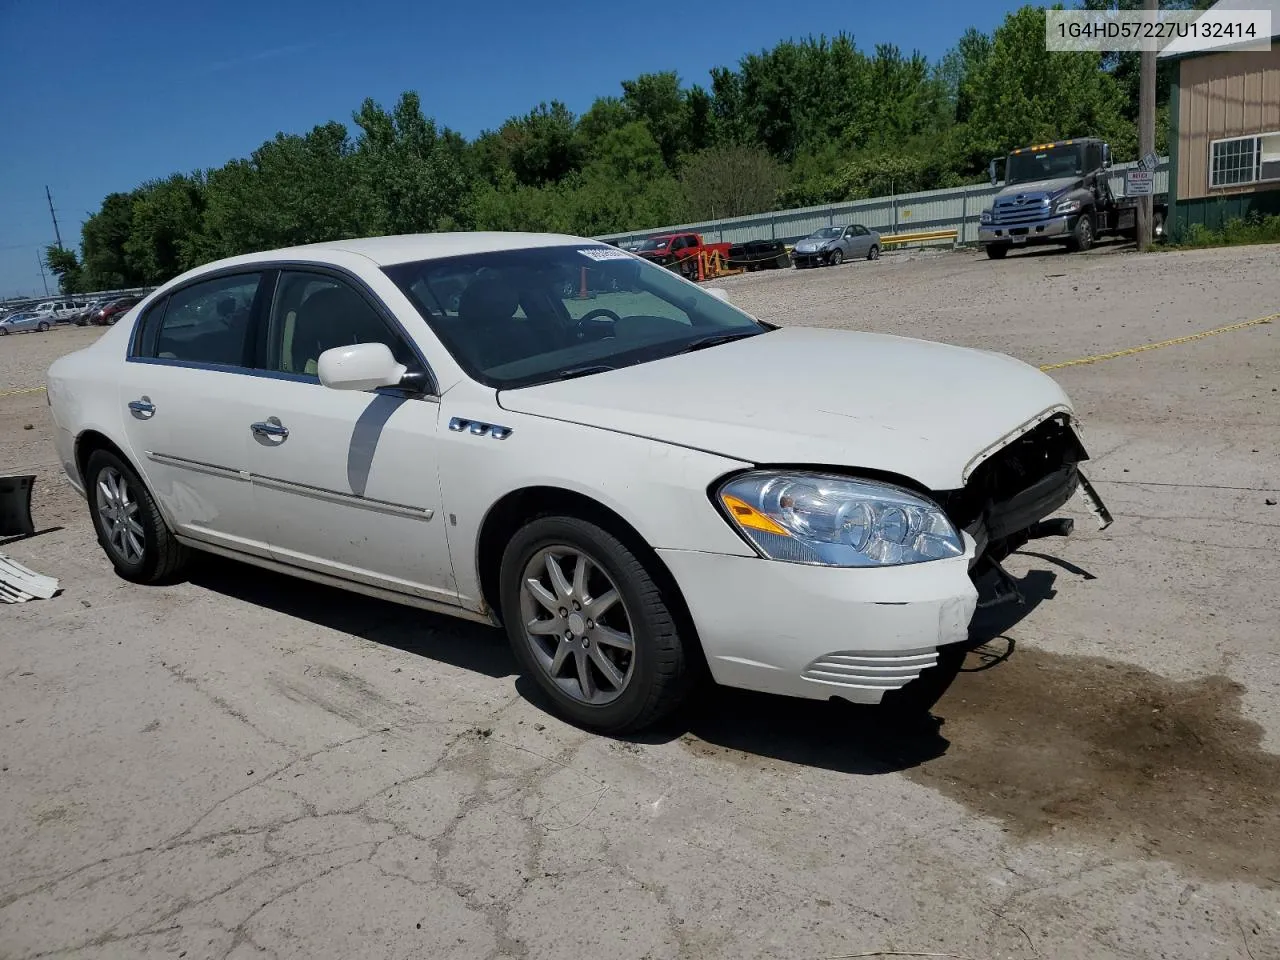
{"x":1082,"y":236}
{"x":591,"y":627}
{"x":996,"y":251}
{"x":836,"y":258}
{"x":42,"y":326}
{"x":128,"y":523}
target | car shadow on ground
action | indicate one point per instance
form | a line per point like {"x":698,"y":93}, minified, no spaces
{"x":1102,"y":245}
{"x":844,"y":737}
{"x":738,"y":725}
{"x":434,"y":636}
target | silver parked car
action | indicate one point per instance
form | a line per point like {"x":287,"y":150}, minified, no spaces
{"x":834,"y":245}
{"x":24,"y":322}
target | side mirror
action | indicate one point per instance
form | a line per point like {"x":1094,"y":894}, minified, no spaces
{"x":991,"y":171}
{"x":1106,"y":156}
{"x":362,"y":366}
{"x":720,"y":293}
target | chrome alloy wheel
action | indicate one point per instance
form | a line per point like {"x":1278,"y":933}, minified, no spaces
{"x":577,"y":625}
{"x":118,"y":512}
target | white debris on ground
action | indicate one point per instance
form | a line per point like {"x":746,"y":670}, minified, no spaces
{"x":19,"y":584}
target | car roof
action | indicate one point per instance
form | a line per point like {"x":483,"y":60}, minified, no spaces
{"x":387,"y":251}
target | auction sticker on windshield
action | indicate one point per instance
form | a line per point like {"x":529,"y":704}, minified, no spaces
{"x":605,"y":253}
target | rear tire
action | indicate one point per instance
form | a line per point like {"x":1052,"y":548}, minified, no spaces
{"x":874,"y":252}
{"x":996,"y":251}
{"x":128,"y":523}
{"x":43,"y":326}
{"x":639,"y":685}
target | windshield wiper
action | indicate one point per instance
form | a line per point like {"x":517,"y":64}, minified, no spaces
{"x":716,"y":339}
{"x":572,"y":372}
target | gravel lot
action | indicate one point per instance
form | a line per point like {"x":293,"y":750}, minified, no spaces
{"x":242,"y":765}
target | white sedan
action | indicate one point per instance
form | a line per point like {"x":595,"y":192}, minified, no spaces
{"x":638,"y":480}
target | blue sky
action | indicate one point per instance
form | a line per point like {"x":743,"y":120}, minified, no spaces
{"x":97,"y":97}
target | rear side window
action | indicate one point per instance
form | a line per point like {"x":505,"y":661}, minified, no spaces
{"x":208,"y":322}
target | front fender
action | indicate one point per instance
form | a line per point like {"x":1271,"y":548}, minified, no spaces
{"x":658,"y":488}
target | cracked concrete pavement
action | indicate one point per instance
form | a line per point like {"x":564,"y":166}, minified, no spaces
{"x":241,"y":765}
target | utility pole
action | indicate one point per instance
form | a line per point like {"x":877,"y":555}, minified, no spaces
{"x":40,"y":260}
{"x":57,"y":235}
{"x":1146,"y":128}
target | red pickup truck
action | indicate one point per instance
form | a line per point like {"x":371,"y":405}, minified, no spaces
{"x":679,"y":251}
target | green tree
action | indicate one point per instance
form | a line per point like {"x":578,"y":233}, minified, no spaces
{"x":103,"y":239}
{"x":658,"y":100}
{"x":730,"y":181}
{"x":166,"y":228}
{"x":408,"y":176}
{"x":1026,"y":94}
{"x":65,"y":265}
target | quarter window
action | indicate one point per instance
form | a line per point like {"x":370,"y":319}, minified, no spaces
{"x":315,"y":312}
{"x":1244,"y":160}
{"x":209,"y":322}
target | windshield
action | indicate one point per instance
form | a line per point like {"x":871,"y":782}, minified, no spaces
{"x":1063,"y":161}
{"x":825,"y":233}
{"x":658,"y":243}
{"x":513,"y":318}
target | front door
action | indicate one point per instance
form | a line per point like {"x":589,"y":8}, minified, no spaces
{"x":185,"y":402}
{"x":346,"y":482}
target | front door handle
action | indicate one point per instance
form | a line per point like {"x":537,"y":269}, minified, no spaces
{"x":142,"y":409}
{"x":271,"y":427}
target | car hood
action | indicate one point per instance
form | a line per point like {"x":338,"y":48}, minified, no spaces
{"x":813,"y":243}
{"x":924,"y":410}
{"x":1050,"y":186}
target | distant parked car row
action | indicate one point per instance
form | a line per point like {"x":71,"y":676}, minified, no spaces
{"x":43,"y":316}
{"x":104,"y":313}
{"x":828,"y":246}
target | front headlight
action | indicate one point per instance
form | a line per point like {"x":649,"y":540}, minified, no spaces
{"x":984,"y":217}
{"x":1066,"y":206}
{"x":837,"y":521}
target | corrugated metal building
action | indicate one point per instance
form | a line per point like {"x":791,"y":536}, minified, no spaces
{"x":1224,"y":135}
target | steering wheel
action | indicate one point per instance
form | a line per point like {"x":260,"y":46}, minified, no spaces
{"x":599,"y":312}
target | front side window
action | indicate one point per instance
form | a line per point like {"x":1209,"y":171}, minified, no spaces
{"x":315,"y":312}
{"x":513,"y":318}
{"x":209,"y":322}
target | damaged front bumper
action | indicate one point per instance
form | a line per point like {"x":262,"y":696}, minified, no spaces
{"x":857,"y":633}
{"x":1010,"y":495}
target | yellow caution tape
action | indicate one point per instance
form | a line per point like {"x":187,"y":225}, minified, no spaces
{"x":1163,"y":343}
{"x":15,"y":393}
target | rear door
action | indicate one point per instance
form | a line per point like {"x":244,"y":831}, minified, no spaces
{"x":187,"y":394}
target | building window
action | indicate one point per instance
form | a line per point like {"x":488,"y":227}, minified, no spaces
{"x":1244,"y":160}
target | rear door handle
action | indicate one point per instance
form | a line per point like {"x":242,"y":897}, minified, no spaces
{"x":142,"y":409}
{"x":271,"y":427}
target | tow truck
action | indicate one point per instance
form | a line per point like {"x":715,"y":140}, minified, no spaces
{"x":1060,"y":193}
